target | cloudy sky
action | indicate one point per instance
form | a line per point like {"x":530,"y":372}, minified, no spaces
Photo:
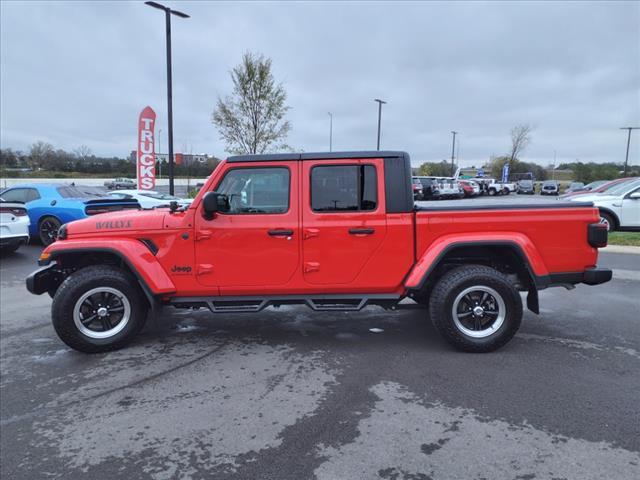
{"x":76,"y":73}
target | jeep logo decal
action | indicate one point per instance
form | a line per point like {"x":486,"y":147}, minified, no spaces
{"x":111,"y":224}
{"x":181,"y":269}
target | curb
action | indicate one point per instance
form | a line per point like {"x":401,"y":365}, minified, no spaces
{"x":620,"y":249}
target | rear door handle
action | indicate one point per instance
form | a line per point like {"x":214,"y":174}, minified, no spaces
{"x":361,"y":231}
{"x":280,"y":233}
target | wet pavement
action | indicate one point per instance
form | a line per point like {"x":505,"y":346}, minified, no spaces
{"x":296,"y":394}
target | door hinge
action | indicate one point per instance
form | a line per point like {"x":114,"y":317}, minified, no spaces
{"x":202,"y":236}
{"x":311,"y":267}
{"x":204,"y":268}
{"x":310,"y":233}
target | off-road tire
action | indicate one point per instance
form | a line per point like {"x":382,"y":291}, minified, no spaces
{"x":456,"y":281}
{"x":84,"y":280}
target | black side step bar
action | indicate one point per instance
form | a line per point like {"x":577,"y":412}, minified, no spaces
{"x":319,"y":303}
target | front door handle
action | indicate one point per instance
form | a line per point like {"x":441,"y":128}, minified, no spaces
{"x":280,"y":233}
{"x":361,"y":231}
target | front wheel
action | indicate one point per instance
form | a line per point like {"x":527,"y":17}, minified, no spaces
{"x":98,"y":308}
{"x":608,"y":220}
{"x":475,"y":308}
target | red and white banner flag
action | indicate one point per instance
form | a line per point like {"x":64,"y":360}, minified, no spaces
{"x":146,"y":167}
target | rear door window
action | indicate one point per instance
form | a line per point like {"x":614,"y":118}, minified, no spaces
{"x":344,"y":188}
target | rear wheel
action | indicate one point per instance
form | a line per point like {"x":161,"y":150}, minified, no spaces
{"x":48,"y":230}
{"x":475,"y":308}
{"x":98,"y":308}
{"x":492,"y":192}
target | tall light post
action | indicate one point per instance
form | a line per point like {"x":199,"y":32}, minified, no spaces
{"x":626,"y":159}
{"x":380,"y":102}
{"x":453,"y":149}
{"x":159,"y":152}
{"x":330,"y":131}
{"x":167,"y":15}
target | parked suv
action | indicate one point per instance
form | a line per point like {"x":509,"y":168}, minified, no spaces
{"x":550,"y":187}
{"x":526,"y":187}
{"x":428,"y":188}
{"x":619,"y":206}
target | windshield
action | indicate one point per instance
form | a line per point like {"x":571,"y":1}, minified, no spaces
{"x":549,"y":184}
{"x":80,"y":191}
{"x":526,"y":183}
{"x":596,"y":184}
{"x":621,"y":188}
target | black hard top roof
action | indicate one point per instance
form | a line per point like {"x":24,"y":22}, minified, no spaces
{"x":274,"y":157}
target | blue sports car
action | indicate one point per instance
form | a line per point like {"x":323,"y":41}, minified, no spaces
{"x":50,"y":205}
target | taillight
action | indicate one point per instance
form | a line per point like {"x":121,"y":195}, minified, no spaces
{"x":95,"y":211}
{"x":16,"y":211}
{"x":597,"y":235}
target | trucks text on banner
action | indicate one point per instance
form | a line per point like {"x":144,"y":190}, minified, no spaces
{"x":146,"y":166}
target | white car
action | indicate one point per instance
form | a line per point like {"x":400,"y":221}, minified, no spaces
{"x":619,"y":206}
{"x":150,"y":198}
{"x":14,"y":225}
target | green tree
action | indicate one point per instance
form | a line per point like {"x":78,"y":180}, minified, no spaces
{"x":435,"y":169}
{"x":252,"y":118}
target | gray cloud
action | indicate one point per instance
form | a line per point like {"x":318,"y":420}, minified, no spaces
{"x":79,"y":73}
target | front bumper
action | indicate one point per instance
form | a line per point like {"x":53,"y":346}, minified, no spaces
{"x":42,"y":280}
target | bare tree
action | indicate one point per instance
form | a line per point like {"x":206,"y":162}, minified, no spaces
{"x":82,"y":152}
{"x":520,"y":138}
{"x":252,"y":119}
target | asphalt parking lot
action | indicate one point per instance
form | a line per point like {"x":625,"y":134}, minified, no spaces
{"x":293,"y":394}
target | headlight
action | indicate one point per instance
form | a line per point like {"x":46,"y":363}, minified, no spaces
{"x":62,"y":232}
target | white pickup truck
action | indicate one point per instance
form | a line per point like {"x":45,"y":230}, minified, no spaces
{"x":494,"y":187}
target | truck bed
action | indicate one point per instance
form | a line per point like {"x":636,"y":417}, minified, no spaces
{"x":555,"y":228}
{"x":499,"y":203}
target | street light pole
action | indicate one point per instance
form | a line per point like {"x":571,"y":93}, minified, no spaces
{"x":626,"y":159}
{"x":330,"y":131}
{"x":380,"y":102}
{"x":453,"y":150}
{"x":167,"y":13}
{"x":159,"y":152}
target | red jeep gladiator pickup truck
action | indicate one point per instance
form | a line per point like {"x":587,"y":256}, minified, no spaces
{"x":334,"y":231}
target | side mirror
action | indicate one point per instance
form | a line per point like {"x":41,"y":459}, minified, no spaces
{"x":214,"y":202}
{"x":635,"y":196}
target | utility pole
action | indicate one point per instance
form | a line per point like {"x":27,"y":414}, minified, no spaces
{"x":380,"y":102}
{"x":167,"y":14}
{"x":159,"y":152}
{"x":553,"y":170}
{"x":330,"y":131}
{"x":453,"y":150}
{"x":626,"y":159}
